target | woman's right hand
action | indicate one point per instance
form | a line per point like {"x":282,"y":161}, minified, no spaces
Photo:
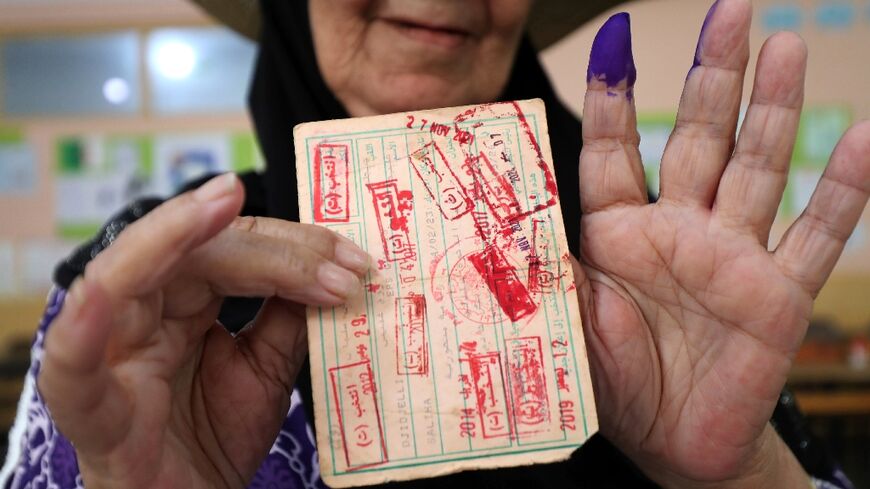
{"x":148,"y":386}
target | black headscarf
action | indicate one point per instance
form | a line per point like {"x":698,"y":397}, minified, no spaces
{"x":288,"y":89}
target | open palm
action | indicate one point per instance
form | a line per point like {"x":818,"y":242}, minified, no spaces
{"x":691,"y":322}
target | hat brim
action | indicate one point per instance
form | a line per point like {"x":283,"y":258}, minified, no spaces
{"x":242,"y":16}
{"x":550,"y":20}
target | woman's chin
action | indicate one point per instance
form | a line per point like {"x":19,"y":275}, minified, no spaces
{"x":419,"y":93}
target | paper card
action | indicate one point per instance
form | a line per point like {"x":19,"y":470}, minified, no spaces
{"x":466,"y":350}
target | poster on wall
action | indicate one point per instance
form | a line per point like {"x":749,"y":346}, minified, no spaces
{"x":95,"y":177}
{"x":98,"y":174}
{"x":17,"y":164}
{"x":246,"y":153}
{"x":819,"y":131}
{"x":7,"y":269}
{"x":181,"y":158}
{"x":36,"y":260}
{"x":655,"y":130}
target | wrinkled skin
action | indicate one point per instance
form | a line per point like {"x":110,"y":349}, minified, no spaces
{"x":398,"y":55}
{"x":691,"y":322}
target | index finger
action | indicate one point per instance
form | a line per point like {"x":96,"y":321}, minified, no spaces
{"x":611,"y":172}
{"x":147,"y":254}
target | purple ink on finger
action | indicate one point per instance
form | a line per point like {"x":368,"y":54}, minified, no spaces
{"x":611,"y":60}
{"x":697,"y":61}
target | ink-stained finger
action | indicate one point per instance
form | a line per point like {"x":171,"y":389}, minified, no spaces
{"x":611,"y":172}
{"x":703,"y":138}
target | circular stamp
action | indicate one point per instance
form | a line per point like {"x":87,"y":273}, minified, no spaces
{"x":482,"y":283}
{"x":470,"y":294}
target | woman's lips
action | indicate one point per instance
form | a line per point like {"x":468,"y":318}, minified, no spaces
{"x":434,"y":35}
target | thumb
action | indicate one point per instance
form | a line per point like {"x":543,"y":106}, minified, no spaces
{"x":88,"y":404}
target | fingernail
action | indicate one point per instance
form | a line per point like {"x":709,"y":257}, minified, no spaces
{"x":697,"y":61}
{"x":338,"y":281}
{"x":351,"y":256}
{"x":611,"y":59}
{"x":216,"y":188}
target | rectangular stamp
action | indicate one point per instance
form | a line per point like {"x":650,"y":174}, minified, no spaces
{"x":506,"y":162}
{"x":489,"y":392}
{"x":392,"y":208}
{"x":412,"y":352}
{"x":502,"y":280}
{"x":356,"y":406}
{"x":527,"y":385}
{"x":331,"y":183}
{"x":541,"y":278}
{"x":443,"y":185}
{"x":496,"y":189}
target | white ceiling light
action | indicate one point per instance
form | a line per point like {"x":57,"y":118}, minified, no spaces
{"x":175,"y":60}
{"x":116,"y":90}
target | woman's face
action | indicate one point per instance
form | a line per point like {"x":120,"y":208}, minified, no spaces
{"x":383,"y":56}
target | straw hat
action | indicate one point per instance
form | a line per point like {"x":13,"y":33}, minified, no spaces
{"x":550,"y":20}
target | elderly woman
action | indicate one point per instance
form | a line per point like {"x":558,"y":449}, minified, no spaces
{"x":691,"y":322}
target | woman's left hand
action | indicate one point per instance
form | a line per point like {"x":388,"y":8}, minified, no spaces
{"x":691,"y":322}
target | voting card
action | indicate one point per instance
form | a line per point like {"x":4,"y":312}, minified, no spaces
{"x":466,"y":350}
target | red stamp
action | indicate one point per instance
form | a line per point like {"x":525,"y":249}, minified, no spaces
{"x":527,"y":384}
{"x":541,"y":279}
{"x":489,"y":392}
{"x":497,"y":147}
{"x":392,"y":208}
{"x":331,"y":183}
{"x":503,"y":282}
{"x":356,"y":404}
{"x":431,"y":165}
{"x":469,"y":293}
{"x":497,"y":191}
{"x":412,"y":354}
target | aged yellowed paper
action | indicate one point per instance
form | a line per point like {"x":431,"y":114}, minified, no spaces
{"x":466,"y":350}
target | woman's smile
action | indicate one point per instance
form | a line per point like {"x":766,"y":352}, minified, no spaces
{"x":383,"y":56}
{"x":448,"y":37}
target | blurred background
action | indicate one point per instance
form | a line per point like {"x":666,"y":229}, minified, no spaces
{"x":104,"y":101}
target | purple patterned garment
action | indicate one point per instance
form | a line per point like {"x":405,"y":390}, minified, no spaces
{"x":41,"y":458}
